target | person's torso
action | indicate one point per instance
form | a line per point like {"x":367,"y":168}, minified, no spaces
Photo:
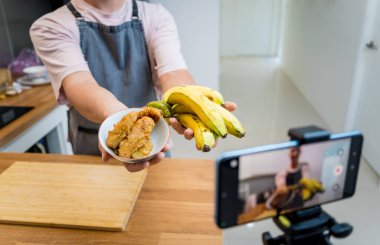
{"x":116,"y":18}
{"x":118,"y":56}
{"x":294,"y":176}
{"x":118,"y":59}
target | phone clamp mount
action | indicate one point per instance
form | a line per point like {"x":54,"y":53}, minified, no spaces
{"x":311,"y":226}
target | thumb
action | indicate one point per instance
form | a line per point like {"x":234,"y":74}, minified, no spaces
{"x":105,"y":156}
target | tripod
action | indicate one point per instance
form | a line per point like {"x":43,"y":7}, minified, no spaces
{"x":311,"y":226}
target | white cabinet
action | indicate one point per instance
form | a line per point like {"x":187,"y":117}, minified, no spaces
{"x":53,"y":126}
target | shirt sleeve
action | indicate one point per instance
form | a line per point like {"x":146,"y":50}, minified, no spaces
{"x":59,"y":50}
{"x":165,"y":42}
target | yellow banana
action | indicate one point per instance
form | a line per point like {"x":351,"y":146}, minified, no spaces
{"x":233,"y":125}
{"x":163,"y":106}
{"x":210,"y":93}
{"x":306,"y":194}
{"x":200,"y":105}
{"x":307,"y":184}
{"x":312,"y":185}
{"x":320,"y":187}
{"x":181,"y":109}
{"x":204,"y":137}
{"x":216,"y":136}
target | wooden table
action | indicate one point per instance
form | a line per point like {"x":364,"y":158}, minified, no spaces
{"x":175,"y":206}
{"x":257,"y":213}
{"x":45,"y":119}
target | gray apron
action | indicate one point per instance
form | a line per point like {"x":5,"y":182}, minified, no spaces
{"x":119,"y":61}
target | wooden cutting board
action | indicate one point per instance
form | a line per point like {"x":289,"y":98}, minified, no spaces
{"x":85,"y":196}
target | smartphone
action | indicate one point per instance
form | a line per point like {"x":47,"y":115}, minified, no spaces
{"x":262,"y":182}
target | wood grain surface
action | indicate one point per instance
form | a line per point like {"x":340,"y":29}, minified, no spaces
{"x":96,"y":197}
{"x":41,"y":98}
{"x":175,"y":204}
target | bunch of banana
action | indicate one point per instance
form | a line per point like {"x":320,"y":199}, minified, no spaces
{"x":210,"y":93}
{"x":310,"y":187}
{"x":233,"y":125}
{"x":201,"y":109}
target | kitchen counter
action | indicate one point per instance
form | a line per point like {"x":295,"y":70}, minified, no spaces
{"x":47,"y":118}
{"x":175,"y":206}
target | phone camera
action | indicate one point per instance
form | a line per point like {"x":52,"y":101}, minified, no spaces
{"x":233,"y":163}
{"x":354,"y":153}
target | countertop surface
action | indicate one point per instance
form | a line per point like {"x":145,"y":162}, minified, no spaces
{"x":40,"y":97}
{"x":175,"y":206}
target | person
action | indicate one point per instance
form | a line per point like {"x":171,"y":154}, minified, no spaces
{"x":106,"y":55}
{"x":283,"y":197}
{"x":296,"y":170}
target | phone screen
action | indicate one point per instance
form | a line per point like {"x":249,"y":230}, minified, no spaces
{"x":292,"y":178}
{"x":261,"y":182}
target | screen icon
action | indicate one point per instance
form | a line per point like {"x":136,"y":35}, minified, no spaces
{"x":338,"y":170}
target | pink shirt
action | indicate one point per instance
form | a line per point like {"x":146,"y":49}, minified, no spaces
{"x":56,"y":39}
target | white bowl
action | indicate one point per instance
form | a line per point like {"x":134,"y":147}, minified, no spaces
{"x":34,"y":72}
{"x":159,"y":135}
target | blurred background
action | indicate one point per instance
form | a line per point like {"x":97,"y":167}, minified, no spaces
{"x":286,"y":63}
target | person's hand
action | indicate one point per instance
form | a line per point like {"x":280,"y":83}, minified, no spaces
{"x":278,"y":198}
{"x":188,"y":132}
{"x":135,"y":167}
{"x":105,"y":155}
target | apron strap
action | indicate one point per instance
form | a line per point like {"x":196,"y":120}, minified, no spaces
{"x":71,"y":7}
{"x":135,"y":12}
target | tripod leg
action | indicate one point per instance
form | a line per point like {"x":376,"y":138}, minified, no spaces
{"x":269,"y":240}
{"x":325,"y":240}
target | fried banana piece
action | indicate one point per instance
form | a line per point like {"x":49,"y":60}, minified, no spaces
{"x":124,"y":126}
{"x":139,"y":135}
{"x":121,"y":129}
{"x":144,"y":150}
{"x":154,"y":113}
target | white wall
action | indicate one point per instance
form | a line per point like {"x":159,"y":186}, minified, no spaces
{"x":321,"y":47}
{"x":198,"y":27}
{"x":367,"y":116}
{"x":250,"y":27}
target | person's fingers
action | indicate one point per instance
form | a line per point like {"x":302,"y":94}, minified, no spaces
{"x":135,"y":167}
{"x":231,"y":106}
{"x":105,"y":155}
{"x":157,"y":158}
{"x":188,"y":133}
{"x":166,"y":147}
{"x":177,"y":126}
